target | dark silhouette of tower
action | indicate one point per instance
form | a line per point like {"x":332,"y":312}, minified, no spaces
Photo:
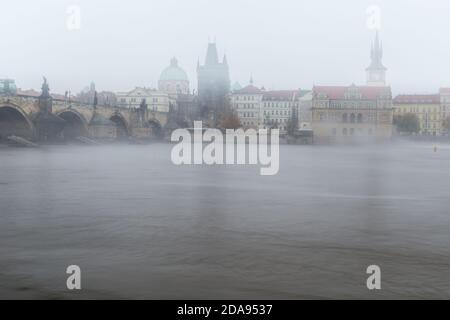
{"x":213,"y":82}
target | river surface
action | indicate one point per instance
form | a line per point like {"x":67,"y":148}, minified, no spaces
{"x":140,"y":227}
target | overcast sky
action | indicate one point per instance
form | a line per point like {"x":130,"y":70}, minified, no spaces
{"x":284,"y":44}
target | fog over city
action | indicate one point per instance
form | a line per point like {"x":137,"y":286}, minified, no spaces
{"x":239,"y":149}
{"x":283,"y":44}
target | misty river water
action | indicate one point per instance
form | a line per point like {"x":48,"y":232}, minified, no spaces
{"x":140,"y":227}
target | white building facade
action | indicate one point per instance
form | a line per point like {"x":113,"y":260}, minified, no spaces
{"x":157,"y":101}
{"x":247,"y":104}
{"x":278,"y":108}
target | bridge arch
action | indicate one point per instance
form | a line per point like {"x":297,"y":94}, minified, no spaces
{"x":156,"y":126}
{"x":122,"y":127}
{"x":76,"y":124}
{"x":14,"y":121}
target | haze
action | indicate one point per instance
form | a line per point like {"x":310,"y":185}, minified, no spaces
{"x":284,"y":44}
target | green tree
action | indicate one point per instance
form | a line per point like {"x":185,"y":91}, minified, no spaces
{"x":228,"y":119}
{"x":407,"y":123}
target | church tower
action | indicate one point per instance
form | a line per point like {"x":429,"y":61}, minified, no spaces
{"x":376,"y":72}
{"x":213,"y":80}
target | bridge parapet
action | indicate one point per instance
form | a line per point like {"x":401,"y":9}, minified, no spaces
{"x":129,"y":121}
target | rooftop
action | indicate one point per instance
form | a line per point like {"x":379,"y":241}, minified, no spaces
{"x":341,"y":92}
{"x":416,"y":98}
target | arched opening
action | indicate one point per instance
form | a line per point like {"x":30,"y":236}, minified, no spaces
{"x":352,"y":118}
{"x":121,"y":127}
{"x":156,"y":127}
{"x":360,"y":118}
{"x":74,"y":127}
{"x":14,"y":123}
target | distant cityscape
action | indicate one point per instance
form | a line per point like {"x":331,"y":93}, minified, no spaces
{"x":321,"y":114}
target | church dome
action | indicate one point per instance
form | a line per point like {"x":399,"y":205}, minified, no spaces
{"x":173,"y":72}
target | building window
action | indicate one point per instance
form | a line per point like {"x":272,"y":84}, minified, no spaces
{"x":344,"y":118}
{"x":360,"y":117}
{"x":352,"y":118}
{"x":344,"y":131}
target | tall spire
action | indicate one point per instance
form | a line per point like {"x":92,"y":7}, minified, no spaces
{"x":376,"y":72}
{"x":211,"y":55}
{"x":376,"y":53}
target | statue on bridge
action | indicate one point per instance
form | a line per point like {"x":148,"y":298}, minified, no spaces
{"x":143,"y":108}
{"x":48,"y":126}
{"x":95,"y":100}
{"x":45,"y":89}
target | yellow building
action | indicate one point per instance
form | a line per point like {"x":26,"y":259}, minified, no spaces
{"x":351,"y":113}
{"x":426,"y":107}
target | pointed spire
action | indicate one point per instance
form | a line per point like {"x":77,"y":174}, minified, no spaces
{"x":251,"y":79}
{"x":211,"y":55}
{"x":225,"y":61}
{"x":376,"y":52}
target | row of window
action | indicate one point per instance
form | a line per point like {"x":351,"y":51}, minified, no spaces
{"x":266,"y":105}
{"x":351,"y":105}
{"x":134,"y":100}
{"x":417,"y":110}
{"x":345,"y":118}
{"x":275,"y":112}
{"x":352,"y":131}
{"x":245,"y":98}
{"x":275,"y":121}
{"x":247,"y":115}
{"x":353,"y":118}
{"x":246,"y":106}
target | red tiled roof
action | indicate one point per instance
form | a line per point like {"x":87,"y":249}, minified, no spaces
{"x":30,"y":93}
{"x":416,"y":98}
{"x":250,"y":89}
{"x":338,"y":92}
{"x":287,"y":95}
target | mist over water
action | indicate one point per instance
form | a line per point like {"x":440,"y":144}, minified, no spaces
{"x":141,"y":227}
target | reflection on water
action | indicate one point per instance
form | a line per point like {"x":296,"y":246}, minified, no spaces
{"x":140,"y":227}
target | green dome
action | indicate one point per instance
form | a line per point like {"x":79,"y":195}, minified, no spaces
{"x":173,"y":72}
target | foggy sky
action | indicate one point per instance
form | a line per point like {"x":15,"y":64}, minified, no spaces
{"x":284,"y":44}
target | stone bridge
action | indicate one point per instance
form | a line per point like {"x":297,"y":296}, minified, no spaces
{"x":38,"y":118}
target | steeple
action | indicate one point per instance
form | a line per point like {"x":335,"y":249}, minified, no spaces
{"x":376,"y":72}
{"x":376,"y":54}
{"x":211,"y":55}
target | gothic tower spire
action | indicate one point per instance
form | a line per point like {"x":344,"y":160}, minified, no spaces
{"x":376,"y":72}
{"x":212,"y":57}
